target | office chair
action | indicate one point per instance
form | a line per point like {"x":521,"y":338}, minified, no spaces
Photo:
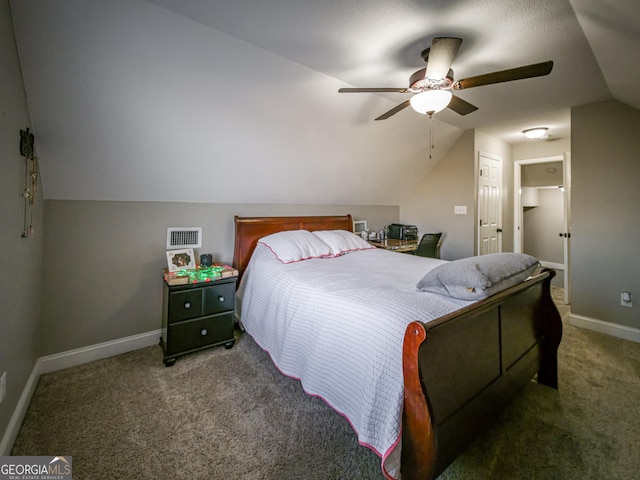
{"x":429,"y":245}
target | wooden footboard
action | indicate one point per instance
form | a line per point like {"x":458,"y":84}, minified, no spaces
{"x":460,"y":370}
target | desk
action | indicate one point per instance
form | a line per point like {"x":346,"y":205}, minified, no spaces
{"x":402,"y":246}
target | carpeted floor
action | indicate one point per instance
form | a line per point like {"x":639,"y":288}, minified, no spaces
{"x":229,"y":414}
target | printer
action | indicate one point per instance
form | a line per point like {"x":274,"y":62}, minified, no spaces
{"x":403,"y":232}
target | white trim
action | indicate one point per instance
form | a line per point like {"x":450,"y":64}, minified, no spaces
{"x":554,"y":265}
{"x":71,"y":358}
{"x":15,"y":422}
{"x":608,"y":328}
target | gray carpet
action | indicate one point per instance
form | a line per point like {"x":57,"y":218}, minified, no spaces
{"x":229,"y":414}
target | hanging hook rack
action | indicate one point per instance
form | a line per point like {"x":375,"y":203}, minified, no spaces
{"x":31,"y":174}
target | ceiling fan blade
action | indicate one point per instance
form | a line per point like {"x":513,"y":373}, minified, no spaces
{"x":360,"y":90}
{"x":441,"y":54}
{"x":394,"y":110}
{"x":519,"y":73}
{"x":460,"y":106}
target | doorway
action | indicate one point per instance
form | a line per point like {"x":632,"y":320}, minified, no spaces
{"x":542,"y":225}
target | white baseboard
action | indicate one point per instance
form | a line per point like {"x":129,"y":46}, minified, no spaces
{"x":554,"y":265}
{"x":608,"y":328}
{"x":59,"y":361}
{"x":72,"y":358}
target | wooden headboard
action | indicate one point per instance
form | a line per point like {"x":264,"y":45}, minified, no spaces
{"x":251,"y":229}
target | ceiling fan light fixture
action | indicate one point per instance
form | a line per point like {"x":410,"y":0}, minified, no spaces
{"x":537,"y":132}
{"x":430,"y":101}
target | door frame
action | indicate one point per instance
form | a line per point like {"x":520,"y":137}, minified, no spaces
{"x":518,"y":214}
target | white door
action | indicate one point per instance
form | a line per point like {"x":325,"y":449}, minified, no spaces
{"x":489,"y":204}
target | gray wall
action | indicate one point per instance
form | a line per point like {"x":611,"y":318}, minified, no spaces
{"x":103,"y":274}
{"x":541,"y":174}
{"x":605,"y":223}
{"x":450,"y":183}
{"x":453,"y":182}
{"x":21,"y":258}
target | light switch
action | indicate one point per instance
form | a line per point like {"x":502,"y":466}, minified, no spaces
{"x":460,"y":209}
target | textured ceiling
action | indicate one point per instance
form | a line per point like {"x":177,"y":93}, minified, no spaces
{"x":593,"y":44}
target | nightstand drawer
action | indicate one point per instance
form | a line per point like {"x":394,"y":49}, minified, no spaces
{"x":219,"y":298}
{"x":193,"y":334}
{"x":185,"y":304}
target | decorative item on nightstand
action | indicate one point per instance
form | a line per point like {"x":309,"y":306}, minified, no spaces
{"x":206,"y":259}
{"x":180,"y":259}
{"x":360,"y":228}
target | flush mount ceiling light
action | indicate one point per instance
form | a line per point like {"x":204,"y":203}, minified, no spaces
{"x":431,"y":101}
{"x":538,"y":132}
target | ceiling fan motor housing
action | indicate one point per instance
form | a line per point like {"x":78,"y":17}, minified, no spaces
{"x":419,"y":83}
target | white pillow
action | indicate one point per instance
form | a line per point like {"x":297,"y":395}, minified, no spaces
{"x":342,"y":241}
{"x":475,"y":278}
{"x":295,"y":245}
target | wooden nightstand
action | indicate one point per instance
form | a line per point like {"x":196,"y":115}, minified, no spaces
{"x":197,"y":316}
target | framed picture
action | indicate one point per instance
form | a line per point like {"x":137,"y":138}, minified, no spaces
{"x":180,"y":259}
{"x":359,"y":226}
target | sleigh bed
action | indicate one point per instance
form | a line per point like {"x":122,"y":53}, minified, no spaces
{"x":418,"y":392}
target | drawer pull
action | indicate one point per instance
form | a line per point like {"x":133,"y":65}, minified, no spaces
{"x":203,"y":332}
{"x":187,"y":305}
{"x":220,"y":298}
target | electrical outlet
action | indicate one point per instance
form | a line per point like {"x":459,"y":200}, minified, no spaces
{"x":626,"y":299}
{"x":3,"y":386}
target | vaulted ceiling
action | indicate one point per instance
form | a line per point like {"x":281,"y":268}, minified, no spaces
{"x":236,"y":100}
{"x":593,"y":43}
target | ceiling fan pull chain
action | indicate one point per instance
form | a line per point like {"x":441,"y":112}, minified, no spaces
{"x":430,"y":135}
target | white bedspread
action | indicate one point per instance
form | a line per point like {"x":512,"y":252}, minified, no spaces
{"x":338,"y":325}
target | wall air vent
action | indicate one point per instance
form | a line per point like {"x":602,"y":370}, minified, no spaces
{"x":184,"y":237}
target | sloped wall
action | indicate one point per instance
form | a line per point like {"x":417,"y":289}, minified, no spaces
{"x":21,"y":258}
{"x":136,"y":103}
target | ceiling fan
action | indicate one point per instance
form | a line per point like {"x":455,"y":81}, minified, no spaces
{"x":432,"y":84}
